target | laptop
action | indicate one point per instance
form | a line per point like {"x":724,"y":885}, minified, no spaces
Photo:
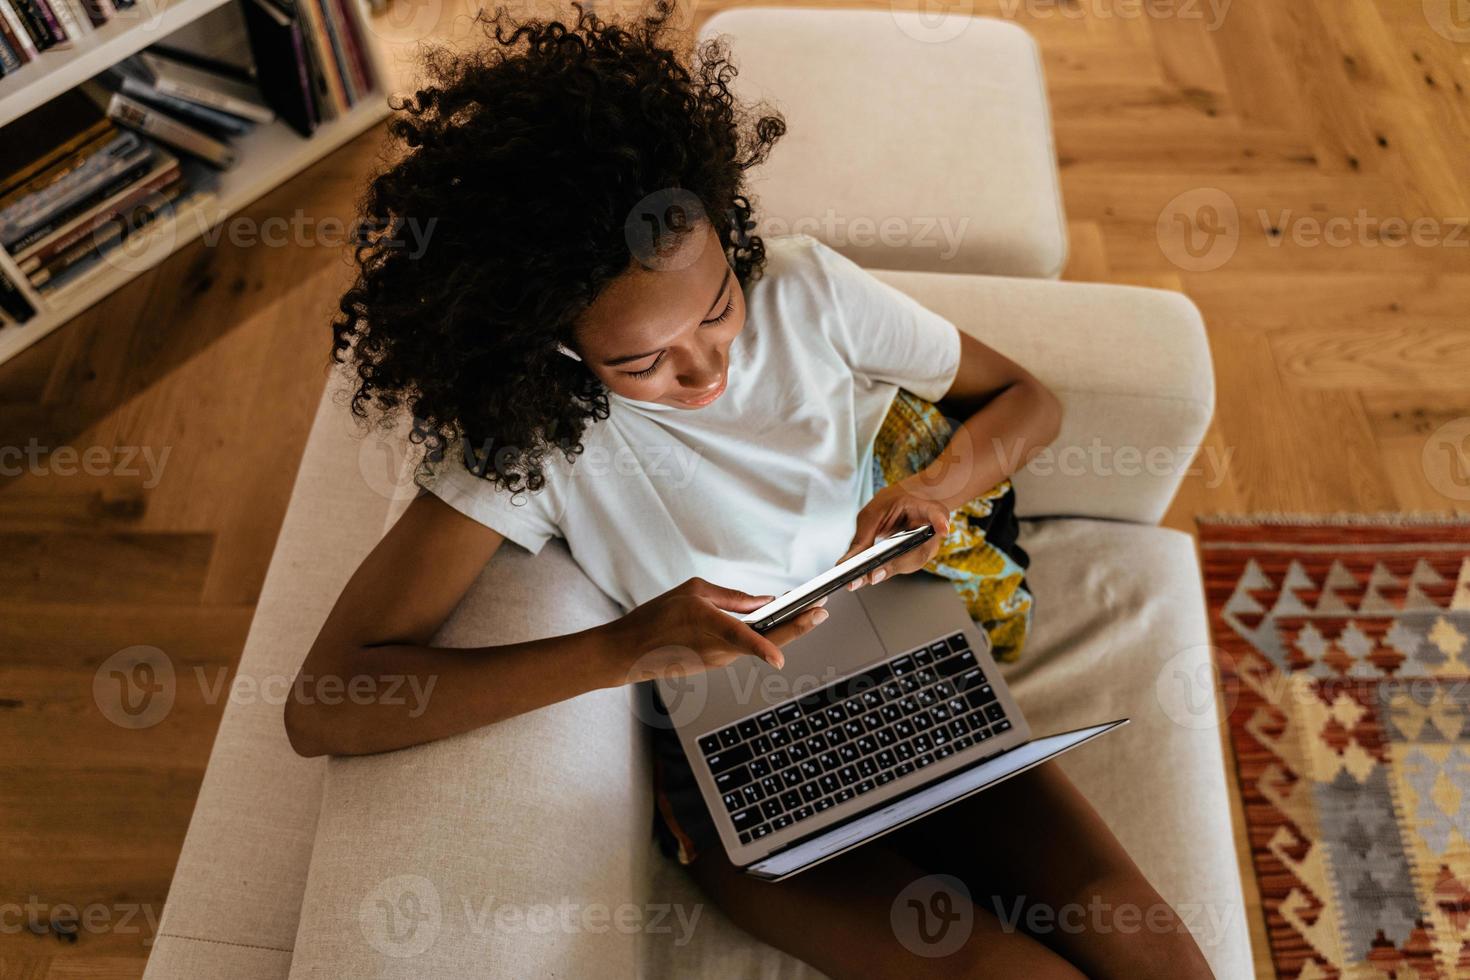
{"x":889,"y":710}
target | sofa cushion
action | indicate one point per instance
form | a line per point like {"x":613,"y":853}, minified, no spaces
{"x":472,"y":840}
{"x":426,"y":859}
{"x":913,"y":142}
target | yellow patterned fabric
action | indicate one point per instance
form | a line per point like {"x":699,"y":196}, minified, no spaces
{"x":979,"y":555}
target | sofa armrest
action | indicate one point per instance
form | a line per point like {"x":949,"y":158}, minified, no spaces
{"x":1131,"y":366}
{"x":505,"y":852}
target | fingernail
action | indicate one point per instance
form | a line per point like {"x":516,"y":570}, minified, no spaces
{"x":779,"y":662}
{"x":879,"y":576}
{"x":820,"y":616}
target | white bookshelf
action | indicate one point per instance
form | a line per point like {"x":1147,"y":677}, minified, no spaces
{"x":128,"y":32}
{"x":266,"y":157}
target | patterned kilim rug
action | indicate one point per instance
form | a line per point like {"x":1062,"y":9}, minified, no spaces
{"x":1344,"y":653}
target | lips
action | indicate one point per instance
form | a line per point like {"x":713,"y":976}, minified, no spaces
{"x":701,"y":402}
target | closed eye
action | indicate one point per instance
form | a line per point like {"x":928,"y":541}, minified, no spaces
{"x":648,"y":370}
{"x":724,"y":315}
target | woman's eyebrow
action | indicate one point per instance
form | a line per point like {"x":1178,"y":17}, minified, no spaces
{"x":614,"y":361}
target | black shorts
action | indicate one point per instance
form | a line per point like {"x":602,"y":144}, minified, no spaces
{"x":682,"y":824}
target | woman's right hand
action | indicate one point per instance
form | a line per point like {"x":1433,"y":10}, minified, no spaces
{"x":690,"y":629}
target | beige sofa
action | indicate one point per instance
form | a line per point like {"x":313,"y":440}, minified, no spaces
{"x":524,"y":849}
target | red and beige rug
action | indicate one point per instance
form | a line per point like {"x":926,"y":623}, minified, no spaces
{"x":1344,"y":653}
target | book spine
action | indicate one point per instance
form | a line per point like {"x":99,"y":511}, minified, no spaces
{"x":339,"y":56}
{"x":9,"y":60}
{"x":189,"y":112}
{"x":352,"y":42}
{"x":17,"y":43}
{"x":35,"y":25}
{"x":104,"y":240}
{"x":166,"y":130}
{"x":97,"y":11}
{"x":315,"y":33}
{"x":303,"y":73}
{"x":214,"y":100}
{"x":48,"y":17}
{"x":66,"y":16}
{"x":32,"y":255}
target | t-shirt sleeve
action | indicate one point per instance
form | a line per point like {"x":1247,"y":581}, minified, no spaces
{"x":886,"y":335}
{"x":528,"y":519}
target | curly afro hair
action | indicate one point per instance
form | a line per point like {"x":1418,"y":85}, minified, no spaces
{"x":526,"y":159}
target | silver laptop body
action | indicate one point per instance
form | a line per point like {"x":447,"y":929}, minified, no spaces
{"x":887,"y":711}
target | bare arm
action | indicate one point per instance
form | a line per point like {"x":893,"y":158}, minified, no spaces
{"x":1008,"y":417}
{"x":371,"y":683}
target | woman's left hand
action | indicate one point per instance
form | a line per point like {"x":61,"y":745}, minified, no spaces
{"x":896,"y":508}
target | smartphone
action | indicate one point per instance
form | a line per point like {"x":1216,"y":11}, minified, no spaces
{"x":785,"y":607}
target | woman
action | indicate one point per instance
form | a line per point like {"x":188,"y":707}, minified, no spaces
{"x":595,"y":347}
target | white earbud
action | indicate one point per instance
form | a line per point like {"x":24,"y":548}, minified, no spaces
{"x":568,"y":351}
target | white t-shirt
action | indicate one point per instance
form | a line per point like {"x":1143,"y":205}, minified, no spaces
{"x":760,"y":489}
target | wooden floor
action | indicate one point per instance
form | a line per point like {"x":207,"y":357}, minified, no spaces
{"x":1336,"y":365}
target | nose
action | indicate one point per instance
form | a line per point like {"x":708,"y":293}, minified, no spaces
{"x":703,"y":376}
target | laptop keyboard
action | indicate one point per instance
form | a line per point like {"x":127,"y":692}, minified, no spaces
{"x":785,"y":764}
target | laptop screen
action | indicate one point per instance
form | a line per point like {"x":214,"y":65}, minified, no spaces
{"x":916,"y":804}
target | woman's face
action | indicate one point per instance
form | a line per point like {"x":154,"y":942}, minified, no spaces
{"x":664,"y":335}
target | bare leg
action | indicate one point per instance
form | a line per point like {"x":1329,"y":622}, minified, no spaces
{"x":1036,"y":839}
{"x":839,"y":918}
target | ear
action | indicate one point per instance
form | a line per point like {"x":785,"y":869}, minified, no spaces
{"x":568,"y":351}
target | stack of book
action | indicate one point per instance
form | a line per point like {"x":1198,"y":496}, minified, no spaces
{"x":73,"y":187}
{"x":28,"y":27}
{"x":190,"y":103}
